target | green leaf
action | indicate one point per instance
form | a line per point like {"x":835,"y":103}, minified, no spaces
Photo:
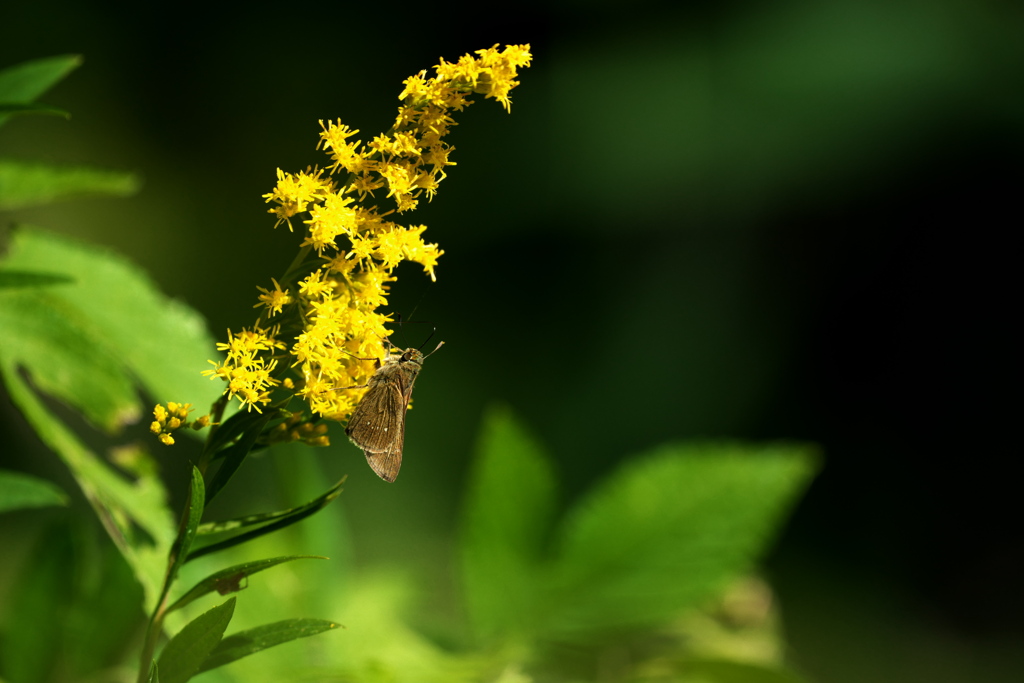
{"x":25,"y":184}
{"x":229,"y":580}
{"x":235,"y":455}
{"x":154,"y":673}
{"x":668,"y":531}
{"x":121,"y":505}
{"x":32,"y":108}
{"x":65,"y":355}
{"x":56,"y":597}
{"x":264,"y":523}
{"x":187,"y":651}
{"x":190,"y":518}
{"x":505,"y":518}
{"x":18,"y":490}
{"x":113,"y":308}
{"x":25,"y":82}
{"x":39,"y":603}
{"x":245,"y":643}
{"x":727,"y":671}
{"x":234,"y":428}
{"x":86,"y":343}
{"x":11,"y":279}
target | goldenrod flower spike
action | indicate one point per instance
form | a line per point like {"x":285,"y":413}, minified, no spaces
{"x":329,"y":302}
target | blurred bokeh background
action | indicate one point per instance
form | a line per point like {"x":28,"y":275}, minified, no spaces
{"x":743,"y":219}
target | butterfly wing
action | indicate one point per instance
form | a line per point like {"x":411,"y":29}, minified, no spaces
{"x":378,"y":427}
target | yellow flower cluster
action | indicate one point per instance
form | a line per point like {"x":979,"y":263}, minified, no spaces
{"x":174,"y":416}
{"x":328,"y":303}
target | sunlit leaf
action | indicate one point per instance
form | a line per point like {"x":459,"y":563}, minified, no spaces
{"x":229,"y":580}
{"x":10,"y":279}
{"x":86,"y":343}
{"x":668,"y":530}
{"x":253,"y":640}
{"x":505,"y":519}
{"x":183,"y":656}
{"x":259,"y":525}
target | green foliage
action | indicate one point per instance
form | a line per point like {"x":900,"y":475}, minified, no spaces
{"x":248,"y":528}
{"x":508,"y":512}
{"x":669,"y":531}
{"x":79,"y":337}
{"x":185,"y":653}
{"x":24,"y":184}
{"x":74,"y":608}
{"x":251,"y":641}
{"x":626,"y":569}
{"x":663,"y":536}
{"x":229,"y":580}
{"x":84,"y":327}
{"x":19,"y":490}
{"x":20,"y":85}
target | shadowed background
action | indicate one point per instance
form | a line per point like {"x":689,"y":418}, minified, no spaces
{"x":761,"y":220}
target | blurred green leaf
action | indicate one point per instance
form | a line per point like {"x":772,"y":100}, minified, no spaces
{"x":668,"y":530}
{"x":69,"y":583}
{"x":113,"y":304}
{"x":186,"y":651}
{"x":23,"y":83}
{"x":228,"y":580}
{"x":505,"y":518}
{"x":120,"y":504}
{"x":33,"y":631}
{"x":18,"y":490}
{"x":85,"y":343}
{"x":11,"y":279}
{"x":32,"y":108}
{"x":65,"y":355}
{"x":253,"y":640}
{"x":726,"y":671}
{"x":265,"y":523}
{"x":25,"y":183}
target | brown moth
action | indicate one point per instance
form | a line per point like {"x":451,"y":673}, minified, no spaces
{"x":378,"y":423}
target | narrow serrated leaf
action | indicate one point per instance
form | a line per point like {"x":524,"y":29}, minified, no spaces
{"x":245,"y":643}
{"x":261,"y":524}
{"x":229,"y":580}
{"x":506,"y":517}
{"x":668,"y":530}
{"x":19,"y":490}
{"x":183,"y":656}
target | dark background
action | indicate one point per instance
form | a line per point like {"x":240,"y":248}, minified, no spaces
{"x":757,"y":220}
